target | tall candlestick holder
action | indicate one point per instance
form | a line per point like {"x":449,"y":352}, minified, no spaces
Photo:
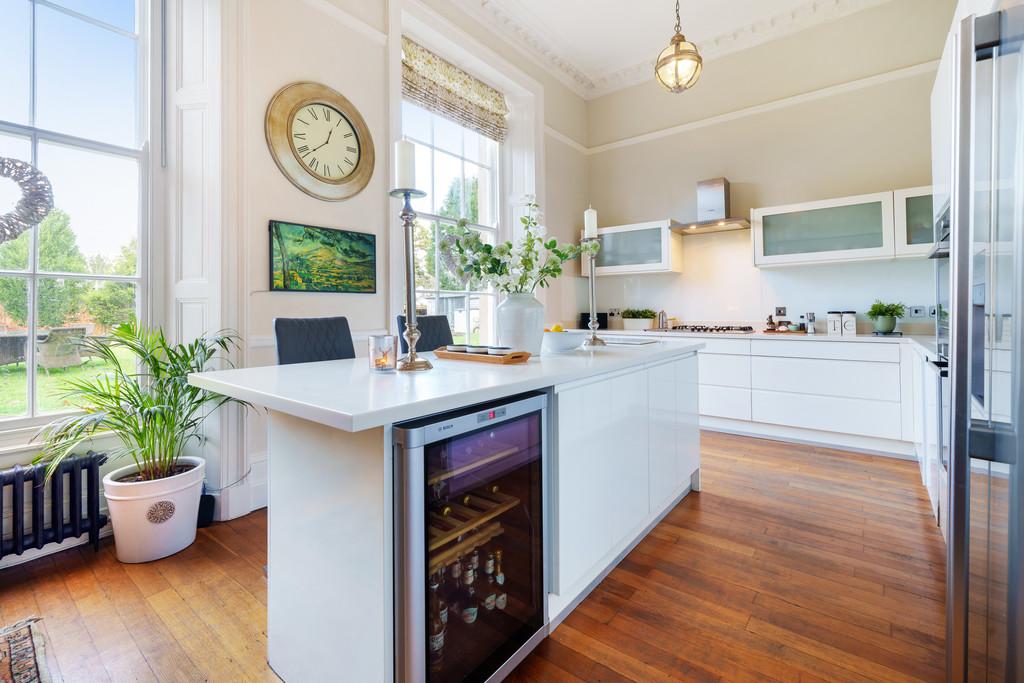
{"x":410,"y":362}
{"x":593,"y":340}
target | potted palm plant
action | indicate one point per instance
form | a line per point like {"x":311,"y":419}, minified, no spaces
{"x":147,"y":404}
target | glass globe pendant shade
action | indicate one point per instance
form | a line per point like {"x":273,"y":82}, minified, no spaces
{"x":679,"y":65}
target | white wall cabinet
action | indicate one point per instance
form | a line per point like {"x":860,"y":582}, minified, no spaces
{"x":843,"y":229}
{"x":914,"y":221}
{"x":627,"y":446}
{"x":638,"y":248}
{"x":882,"y":225}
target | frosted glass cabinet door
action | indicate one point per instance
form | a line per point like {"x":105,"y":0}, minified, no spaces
{"x":845,"y":229}
{"x":914,"y":216}
{"x":637,"y":248}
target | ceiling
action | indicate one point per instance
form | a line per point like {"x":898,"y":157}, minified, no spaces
{"x":598,"y":46}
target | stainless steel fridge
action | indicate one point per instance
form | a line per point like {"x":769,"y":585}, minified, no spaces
{"x":985,"y":639}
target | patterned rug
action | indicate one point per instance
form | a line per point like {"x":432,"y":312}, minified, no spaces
{"x":23,"y":654}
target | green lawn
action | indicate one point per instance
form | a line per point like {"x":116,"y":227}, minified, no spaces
{"x":13,"y":385}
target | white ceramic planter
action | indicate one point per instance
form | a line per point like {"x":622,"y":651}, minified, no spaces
{"x":520,"y":319}
{"x":154,"y":519}
{"x":637,"y":323}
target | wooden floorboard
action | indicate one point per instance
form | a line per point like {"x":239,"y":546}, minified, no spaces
{"x":793,"y":564}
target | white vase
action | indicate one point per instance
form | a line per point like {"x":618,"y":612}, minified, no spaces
{"x":521,"y":323}
{"x":156,"y":518}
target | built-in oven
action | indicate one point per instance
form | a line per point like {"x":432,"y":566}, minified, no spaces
{"x":470,"y":576}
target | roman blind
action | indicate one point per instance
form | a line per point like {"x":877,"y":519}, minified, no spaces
{"x":446,"y":90}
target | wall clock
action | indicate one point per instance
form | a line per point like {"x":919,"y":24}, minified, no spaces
{"x":319,"y":141}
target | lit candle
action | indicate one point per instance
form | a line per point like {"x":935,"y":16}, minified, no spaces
{"x":590,"y":223}
{"x":405,"y":165}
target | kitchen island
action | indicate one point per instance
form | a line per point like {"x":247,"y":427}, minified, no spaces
{"x":622,"y":449}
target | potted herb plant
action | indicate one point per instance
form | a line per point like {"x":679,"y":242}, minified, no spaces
{"x":147,"y":404}
{"x":515,"y":269}
{"x":638,"y":318}
{"x":885,"y":315}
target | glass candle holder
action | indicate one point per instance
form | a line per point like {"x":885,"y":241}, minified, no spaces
{"x":383,"y":353}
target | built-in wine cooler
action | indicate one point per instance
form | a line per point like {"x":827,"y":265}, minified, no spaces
{"x":469,"y":560}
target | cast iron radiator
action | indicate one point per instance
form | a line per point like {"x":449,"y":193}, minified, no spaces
{"x":72,"y":524}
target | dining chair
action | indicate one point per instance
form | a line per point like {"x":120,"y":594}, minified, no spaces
{"x":435,"y":332}
{"x":306,"y":340}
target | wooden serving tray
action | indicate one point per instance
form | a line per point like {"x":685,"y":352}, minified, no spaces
{"x":786,"y":332}
{"x":514,"y":358}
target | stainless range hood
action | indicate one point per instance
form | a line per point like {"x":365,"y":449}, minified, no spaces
{"x":712,"y":210}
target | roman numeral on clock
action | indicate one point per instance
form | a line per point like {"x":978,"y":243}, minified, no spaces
{"x":300,"y":136}
{"x":313,"y":163}
{"x":351,"y":149}
{"x":303,"y":149}
{"x":349,"y":161}
{"x":313,"y":114}
{"x":327,"y":114}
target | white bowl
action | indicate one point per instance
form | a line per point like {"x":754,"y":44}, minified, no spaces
{"x":562,"y":342}
{"x":476,"y":348}
{"x":499,"y":350}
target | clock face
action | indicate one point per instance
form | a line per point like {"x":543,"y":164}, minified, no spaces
{"x":324,"y":141}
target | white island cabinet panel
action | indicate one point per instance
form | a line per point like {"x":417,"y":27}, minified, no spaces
{"x":628,"y":445}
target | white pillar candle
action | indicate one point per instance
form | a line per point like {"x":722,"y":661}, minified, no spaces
{"x":590,"y":223}
{"x":405,"y":165}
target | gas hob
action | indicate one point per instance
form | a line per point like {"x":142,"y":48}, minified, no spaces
{"x":709,"y":329}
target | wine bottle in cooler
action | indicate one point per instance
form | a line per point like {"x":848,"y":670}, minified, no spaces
{"x":454,"y":587}
{"x":441,"y":591}
{"x":501,"y":596}
{"x":488,"y":587}
{"x":468,"y":608}
{"x":437,"y":627}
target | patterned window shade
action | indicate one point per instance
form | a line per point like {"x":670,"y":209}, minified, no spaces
{"x":446,"y":90}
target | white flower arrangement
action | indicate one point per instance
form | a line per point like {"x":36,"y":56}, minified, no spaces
{"x":514,"y":268}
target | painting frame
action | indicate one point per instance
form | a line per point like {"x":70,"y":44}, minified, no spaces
{"x":330,"y":238}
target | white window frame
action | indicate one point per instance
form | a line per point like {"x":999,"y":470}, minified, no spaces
{"x":16,"y":431}
{"x":435,"y":219}
{"x":521,"y":162}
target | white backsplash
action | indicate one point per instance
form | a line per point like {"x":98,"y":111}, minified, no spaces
{"x":719,"y":284}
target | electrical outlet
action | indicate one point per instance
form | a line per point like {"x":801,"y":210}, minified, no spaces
{"x":614,"y":312}
{"x":931,"y":311}
{"x":918,"y":311}
{"x":780,"y":311}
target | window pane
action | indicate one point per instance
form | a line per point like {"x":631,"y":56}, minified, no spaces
{"x":447,"y":135}
{"x":13,"y":335}
{"x":16,"y":147}
{"x":448,"y":263}
{"x":479,"y":183}
{"x":94,"y":223}
{"x":447,"y":185}
{"x":424,"y":251}
{"x":119,"y":13}
{"x":69,"y":311}
{"x":15,"y":23}
{"x":415,"y":122}
{"x":85,"y":79}
{"x":454,"y":307}
{"x":481,"y":317}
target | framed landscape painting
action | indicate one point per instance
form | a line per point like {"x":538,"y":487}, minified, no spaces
{"x":307,"y":258}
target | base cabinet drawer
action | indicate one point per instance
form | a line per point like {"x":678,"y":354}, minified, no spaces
{"x":730,"y":402}
{"x":723,"y":370}
{"x":827,"y":413}
{"x":841,"y":378}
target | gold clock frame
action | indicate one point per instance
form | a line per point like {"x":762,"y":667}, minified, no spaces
{"x":282,"y":108}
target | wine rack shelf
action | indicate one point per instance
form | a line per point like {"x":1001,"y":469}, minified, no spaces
{"x":474,"y":540}
{"x":456,"y":519}
{"x":503,"y":452}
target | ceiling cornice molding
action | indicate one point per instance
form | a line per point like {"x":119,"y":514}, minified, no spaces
{"x":496,"y":16}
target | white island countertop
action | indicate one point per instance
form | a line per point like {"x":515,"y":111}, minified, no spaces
{"x":346,"y":395}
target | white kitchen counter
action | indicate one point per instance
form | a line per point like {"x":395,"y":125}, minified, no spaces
{"x":346,"y":395}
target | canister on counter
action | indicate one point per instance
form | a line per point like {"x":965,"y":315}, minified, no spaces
{"x":849,"y":323}
{"x":835,"y":322}
{"x":810,"y":323}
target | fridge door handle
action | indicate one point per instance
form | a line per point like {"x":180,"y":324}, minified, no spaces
{"x":939,"y":367}
{"x":992,"y":442}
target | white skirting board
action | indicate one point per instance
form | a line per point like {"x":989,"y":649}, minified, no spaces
{"x":903,"y":450}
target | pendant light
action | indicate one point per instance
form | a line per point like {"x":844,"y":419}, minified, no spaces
{"x":679,"y":65}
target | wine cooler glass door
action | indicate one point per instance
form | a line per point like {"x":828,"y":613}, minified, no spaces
{"x":481,"y":566}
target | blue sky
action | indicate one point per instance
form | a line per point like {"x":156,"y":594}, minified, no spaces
{"x":86,"y":79}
